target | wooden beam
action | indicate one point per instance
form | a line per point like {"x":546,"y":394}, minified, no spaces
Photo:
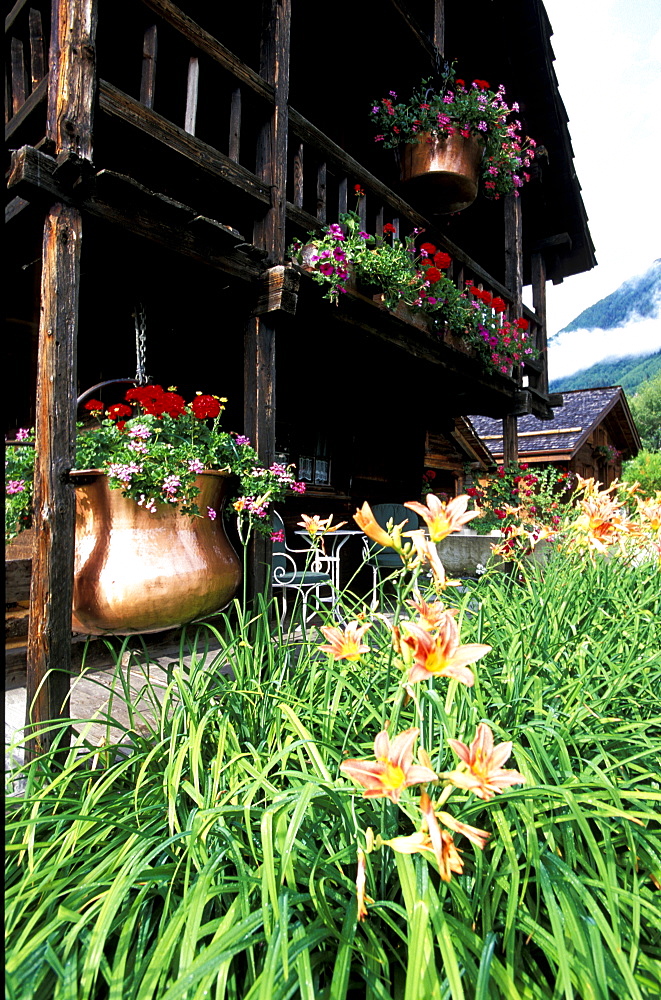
{"x":524,"y":434}
{"x":38,"y":95}
{"x":49,"y":637}
{"x":439,"y":26}
{"x":115,"y":102}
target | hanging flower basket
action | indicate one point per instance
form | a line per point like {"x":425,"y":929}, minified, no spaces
{"x":142,"y":571}
{"x":445,"y":167}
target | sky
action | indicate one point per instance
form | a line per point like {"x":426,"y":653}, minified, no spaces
{"x":608,"y":65}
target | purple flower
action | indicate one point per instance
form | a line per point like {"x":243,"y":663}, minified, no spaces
{"x":327,"y":269}
{"x":212,"y":514}
{"x":298,"y":487}
{"x":15,"y":486}
{"x":339,"y":254}
{"x":482,"y":126}
{"x":375,"y":109}
{"x":364,"y":236}
{"x":379,"y":138}
{"x":170,"y":485}
{"x":22,"y":433}
{"x":242,"y":439}
{"x":140,"y":431}
{"x":335,"y":230}
{"x":392,"y":93}
{"x":195,"y":465}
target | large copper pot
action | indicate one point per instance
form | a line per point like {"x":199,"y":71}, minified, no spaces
{"x":448,"y":166}
{"x":141,"y":572}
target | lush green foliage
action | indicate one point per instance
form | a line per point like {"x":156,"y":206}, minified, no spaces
{"x":645,"y":468}
{"x":520,"y":495}
{"x":646,"y":409}
{"x":213,"y":852}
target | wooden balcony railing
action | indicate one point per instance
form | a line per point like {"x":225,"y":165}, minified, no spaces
{"x":26,"y":63}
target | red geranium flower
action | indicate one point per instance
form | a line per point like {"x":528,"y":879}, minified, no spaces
{"x":432,"y":274}
{"x":172,"y":403}
{"x":427,"y":248}
{"x":486,"y":297}
{"x":442,"y":260}
{"x":499,"y":305}
{"x":205,"y":406}
{"x":522,"y":323}
{"x":460,"y":83}
{"x":389,"y":228}
{"x":118,"y":410}
{"x":145,"y":393}
{"x":481,"y":84}
{"x":94,"y":405}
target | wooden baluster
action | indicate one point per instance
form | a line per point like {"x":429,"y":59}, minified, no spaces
{"x":379,"y":223}
{"x":234,"y":150}
{"x":148,"y":79}
{"x":18,"y":89}
{"x":192,"y":88}
{"x":439,"y":26}
{"x":538,"y":267}
{"x":514,"y":283}
{"x":395,"y":223}
{"x":362,"y":212}
{"x":342,"y":196}
{"x":37,"y":58}
{"x":321,"y":193}
{"x":298,"y":177}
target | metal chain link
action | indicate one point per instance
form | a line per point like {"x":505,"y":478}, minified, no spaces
{"x":140,"y":345}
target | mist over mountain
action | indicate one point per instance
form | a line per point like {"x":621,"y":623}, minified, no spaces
{"x":616,"y":341}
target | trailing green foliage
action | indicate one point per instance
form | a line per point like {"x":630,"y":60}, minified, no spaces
{"x":212,"y":852}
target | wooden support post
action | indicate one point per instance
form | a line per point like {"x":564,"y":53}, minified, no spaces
{"x":538,"y":265}
{"x":49,"y":637}
{"x":71,"y":94}
{"x":510,"y":440}
{"x":439,"y":26}
{"x":148,"y":79}
{"x":271,"y":159}
{"x":514,"y":283}
{"x":234,"y":146}
{"x":259,"y":422}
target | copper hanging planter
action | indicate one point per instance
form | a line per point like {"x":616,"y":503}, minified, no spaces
{"x":140,"y":572}
{"x":445,"y":167}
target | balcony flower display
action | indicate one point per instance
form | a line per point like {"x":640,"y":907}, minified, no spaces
{"x":456,"y":108}
{"x":152,"y":446}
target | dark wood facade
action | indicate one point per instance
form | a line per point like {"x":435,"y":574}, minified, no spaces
{"x":166,"y":155}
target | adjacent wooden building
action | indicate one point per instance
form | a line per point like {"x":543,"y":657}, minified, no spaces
{"x":591,"y":435}
{"x":161,"y":159}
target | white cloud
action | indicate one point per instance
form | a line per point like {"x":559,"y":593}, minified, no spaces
{"x":578,"y":349}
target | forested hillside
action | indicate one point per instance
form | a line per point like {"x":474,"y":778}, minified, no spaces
{"x":637,"y":298}
{"x":630,"y":373}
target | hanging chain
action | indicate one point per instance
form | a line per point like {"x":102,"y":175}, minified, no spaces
{"x":140,"y":344}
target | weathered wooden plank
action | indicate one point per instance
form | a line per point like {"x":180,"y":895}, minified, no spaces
{"x":211,"y":46}
{"x":37,"y":55}
{"x":192,"y":89}
{"x":49,"y":639}
{"x":321,"y":193}
{"x":18,"y":88}
{"x":37,"y":96}
{"x":438,"y":37}
{"x":114,"y":102}
{"x":72,"y":94}
{"x":514,"y":250}
{"x":415,"y":28}
{"x":298,"y":176}
{"x":14,"y":208}
{"x":148,"y":75}
{"x":17,"y":579}
{"x":271,"y":154}
{"x":234,"y":145}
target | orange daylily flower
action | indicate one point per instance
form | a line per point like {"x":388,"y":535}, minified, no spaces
{"x":366,"y":521}
{"x":430,"y":838}
{"x":427,"y":554}
{"x":317,"y":525}
{"x":651,"y":510}
{"x":345,"y":645}
{"x":432,"y":615}
{"x":361,"y":896}
{"x":393,"y":770}
{"x":442,"y":655}
{"x":443,"y":518}
{"x":485,"y":775}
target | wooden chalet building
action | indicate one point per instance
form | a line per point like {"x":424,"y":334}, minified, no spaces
{"x":163,"y":156}
{"x":591,"y":435}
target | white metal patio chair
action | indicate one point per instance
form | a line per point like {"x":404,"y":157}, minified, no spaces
{"x":314,"y":583}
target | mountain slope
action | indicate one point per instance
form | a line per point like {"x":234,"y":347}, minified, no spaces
{"x":637,"y":298}
{"x":629,"y":372}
